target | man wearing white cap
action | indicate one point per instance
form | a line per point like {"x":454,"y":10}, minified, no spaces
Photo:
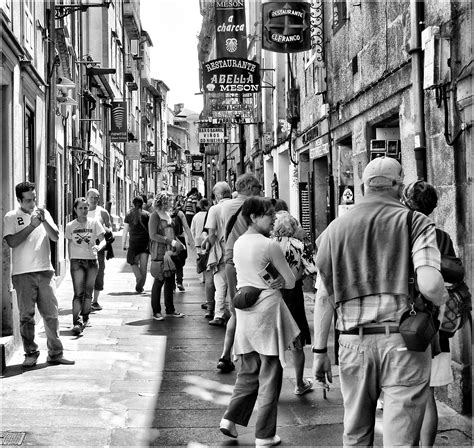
{"x":368,"y":291}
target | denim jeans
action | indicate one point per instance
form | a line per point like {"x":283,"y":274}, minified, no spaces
{"x":168,"y":283}
{"x":259,"y":376}
{"x":209,"y":290}
{"x":370,"y":364}
{"x":38,"y":288}
{"x":83,"y":274}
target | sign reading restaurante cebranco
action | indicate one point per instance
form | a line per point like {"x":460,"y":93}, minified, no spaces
{"x":286,"y":26}
{"x":231,"y":75}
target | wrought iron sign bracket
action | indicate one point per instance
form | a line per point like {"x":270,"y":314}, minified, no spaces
{"x":317,"y":32}
{"x":267,"y":84}
{"x":61,"y":11}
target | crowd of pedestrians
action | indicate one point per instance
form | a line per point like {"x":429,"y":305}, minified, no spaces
{"x":254,"y":256}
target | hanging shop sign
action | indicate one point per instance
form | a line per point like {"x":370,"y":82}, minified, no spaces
{"x":286,"y":27}
{"x":118,"y":126}
{"x":197,"y":165}
{"x":231,"y":75}
{"x":132,"y":151}
{"x":231,"y":35}
{"x":211,"y":135}
{"x":235,"y":112}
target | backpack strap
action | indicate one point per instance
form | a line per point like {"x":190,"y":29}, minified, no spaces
{"x":230,"y":224}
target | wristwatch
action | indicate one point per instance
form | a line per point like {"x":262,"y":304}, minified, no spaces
{"x":319,"y":350}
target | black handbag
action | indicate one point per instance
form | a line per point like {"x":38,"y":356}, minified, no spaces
{"x":246,"y":297}
{"x":201,"y":262}
{"x":417,"y":325}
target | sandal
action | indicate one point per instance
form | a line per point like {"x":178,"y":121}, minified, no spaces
{"x":307,"y":386}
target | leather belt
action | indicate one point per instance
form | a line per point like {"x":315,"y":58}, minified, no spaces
{"x":372,"y":330}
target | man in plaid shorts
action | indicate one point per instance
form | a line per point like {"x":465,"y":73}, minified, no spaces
{"x":369,"y":293}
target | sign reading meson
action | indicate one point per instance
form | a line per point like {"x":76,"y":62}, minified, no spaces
{"x":231,"y":37}
{"x":227,"y":75}
{"x":286,"y":27}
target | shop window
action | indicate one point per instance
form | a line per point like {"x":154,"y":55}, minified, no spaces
{"x":29,"y":139}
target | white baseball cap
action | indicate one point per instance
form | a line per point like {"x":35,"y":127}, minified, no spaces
{"x":383,"y":172}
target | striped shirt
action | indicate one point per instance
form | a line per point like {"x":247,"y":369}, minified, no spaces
{"x":380,"y":308}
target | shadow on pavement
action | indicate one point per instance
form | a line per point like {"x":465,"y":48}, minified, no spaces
{"x":139,"y":323}
{"x":18,"y":369}
{"x":122,"y":293}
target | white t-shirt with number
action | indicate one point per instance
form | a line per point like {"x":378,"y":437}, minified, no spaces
{"x":83,"y":236}
{"x":34,"y":253}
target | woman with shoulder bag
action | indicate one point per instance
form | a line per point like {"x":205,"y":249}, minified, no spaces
{"x":163,"y":245}
{"x":264,"y":330}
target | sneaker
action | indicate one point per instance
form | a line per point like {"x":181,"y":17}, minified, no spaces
{"x":307,"y":386}
{"x":271,"y":441}
{"x":209,"y":315}
{"x":77,"y":329}
{"x":158,"y":316}
{"x":204,"y":306}
{"x":180,"y":287}
{"x":31,"y":359}
{"x":225,"y":365}
{"x":60,"y":360}
{"x":217,"y":322}
{"x":175,"y":314}
{"x":95,"y":306}
{"x":228,"y":428}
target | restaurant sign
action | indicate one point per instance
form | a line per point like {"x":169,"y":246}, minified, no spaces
{"x":231,"y":35}
{"x":231,"y":75}
{"x":286,"y":27}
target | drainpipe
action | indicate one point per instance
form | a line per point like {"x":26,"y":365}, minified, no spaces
{"x":417,"y":17}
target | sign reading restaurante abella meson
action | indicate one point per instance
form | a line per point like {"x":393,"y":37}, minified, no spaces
{"x":227,"y":75}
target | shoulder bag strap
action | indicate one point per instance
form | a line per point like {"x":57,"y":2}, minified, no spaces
{"x":411,"y":268}
{"x":230,"y":224}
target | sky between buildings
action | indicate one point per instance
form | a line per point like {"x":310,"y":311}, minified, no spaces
{"x":173,"y":26}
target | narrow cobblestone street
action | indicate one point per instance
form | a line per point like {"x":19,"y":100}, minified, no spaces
{"x":141,"y":382}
